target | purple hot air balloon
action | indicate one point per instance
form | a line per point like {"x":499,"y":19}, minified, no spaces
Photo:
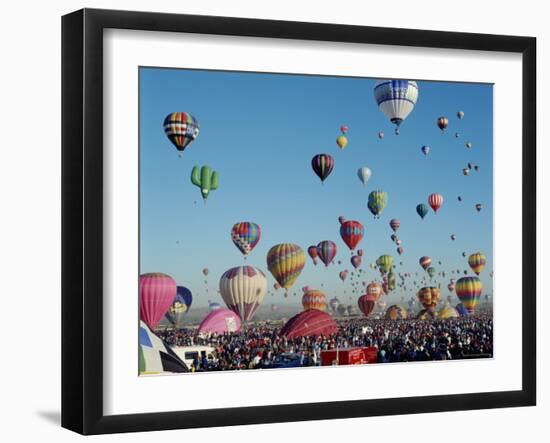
{"x":356,"y":261}
{"x":157,"y":291}
{"x":326,"y":250}
{"x":220,"y":321}
{"x":322,"y":165}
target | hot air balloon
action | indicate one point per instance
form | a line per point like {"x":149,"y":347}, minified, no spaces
{"x":341,"y":219}
{"x":435,"y":201}
{"x":380,"y":135}
{"x":462,"y":310}
{"x":396,"y":312}
{"x":352,"y":232}
{"x":425,"y":150}
{"x":468,"y":290}
{"x":344,"y":129}
{"x":181,"y":129}
{"x":429,"y":297}
{"x":391,"y":281}
{"x":220,"y":321}
{"x":355,"y":261}
{"x":451,"y":287}
{"x":310,"y":322}
{"x":245,"y":236}
{"x":393,"y":237}
{"x":453,"y":237}
{"x":377,"y":202}
{"x":212,"y":306}
{"x":400,"y":250}
{"x":243,"y":289}
{"x":154,"y":356}
{"x":364,"y":174}
{"x":465,"y":171}
{"x":479,"y":207}
{"x":360,"y":254}
{"x":431,"y":271}
{"x":314,"y":299}
{"x":459,"y":198}
{"x":343,"y":275}
{"x":385,"y":263}
{"x":396,"y":99}
{"x":157,"y":291}
{"x":179,"y":307}
{"x":425,"y":262}
{"x":374,"y":289}
{"x":395,"y":224}
{"x":205,"y":271}
{"x":469,"y":145}
{"x":442,"y":123}
{"x":477,"y":262}
{"x":312,"y":252}
{"x":476,"y":168}
{"x":366,"y":304}
{"x":322,"y":165}
{"x":326,"y":250}
{"x":460,"y":115}
{"x":457,"y":135}
{"x":422,"y":210}
{"x":285,"y":262}
{"x":398,"y":242}
{"x":205,"y":179}
{"x":341,"y":141}
{"x":334,"y":303}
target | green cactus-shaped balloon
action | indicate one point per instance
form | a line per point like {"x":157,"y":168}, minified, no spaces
{"x":205,"y":178}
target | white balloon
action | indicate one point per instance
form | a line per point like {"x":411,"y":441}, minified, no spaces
{"x":364,"y":174}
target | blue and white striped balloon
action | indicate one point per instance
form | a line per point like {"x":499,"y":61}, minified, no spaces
{"x":396,"y":99}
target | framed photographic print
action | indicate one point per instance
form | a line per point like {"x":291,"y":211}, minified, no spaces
{"x":259,"y":217}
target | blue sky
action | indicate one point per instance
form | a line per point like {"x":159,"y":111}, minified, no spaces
{"x":260,"y":131}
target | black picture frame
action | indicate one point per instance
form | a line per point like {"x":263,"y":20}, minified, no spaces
{"x":82,"y":218}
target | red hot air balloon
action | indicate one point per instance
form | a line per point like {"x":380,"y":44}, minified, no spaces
{"x":435,"y":201}
{"x":394,"y":224}
{"x":157,"y":292}
{"x":352,"y":232}
{"x":366,"y":304}
{"x":312,"y":251}
{"x":344,"y":129}
{"x":310,"y":322}
{"x":375,"y":290}
{"x":425,"y":262}
{"x":326,"y":250}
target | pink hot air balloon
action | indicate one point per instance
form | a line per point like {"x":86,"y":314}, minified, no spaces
{"x":435,"y":201}
{"x":326,"y":250}
{"x":220,"y":321}
{"x":356,"y":261}
{"x":394,"y":224}
{"x":343,"y":275}
{"x":400,"y":250}
{"x":157,"y":291}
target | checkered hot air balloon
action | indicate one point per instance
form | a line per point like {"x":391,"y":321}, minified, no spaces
{"x":181,"y":129}
{"x":245,"y":236}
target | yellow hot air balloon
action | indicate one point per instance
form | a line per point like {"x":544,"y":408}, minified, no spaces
{"x":314,"y":299}
{"x":342,"y":141}
{"x":429,"y":297}
{"x":477,"y":262}
{"x":385,"y":263}
{"x":285,"y":262}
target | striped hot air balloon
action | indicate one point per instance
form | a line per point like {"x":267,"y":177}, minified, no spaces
{"x":477,"y":262}
{"x":243,"y":289}
{"x":395,"y":224}
{"x":245,"y":236}
{"x":314,"y":299}
{"x":326,"y":250}
{"x":322,"y":165}
{"x":181,"y":129}
{"x":396,"y":99}
{"x":285,"y":262}
{"x":157,"y":291}
{"x":396,"y":312}
{"x":351,"y":232}
{"x":435,"y":200}
{"x":468,"y":290}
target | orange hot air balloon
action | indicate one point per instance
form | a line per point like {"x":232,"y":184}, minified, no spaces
{"x":429,"y":297}
{"x":374,"y":289}
{"x":314,"y":299}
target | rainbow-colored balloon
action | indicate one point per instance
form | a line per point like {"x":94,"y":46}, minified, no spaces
{"x":468,"y":290}
{"x":285,"y":262}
